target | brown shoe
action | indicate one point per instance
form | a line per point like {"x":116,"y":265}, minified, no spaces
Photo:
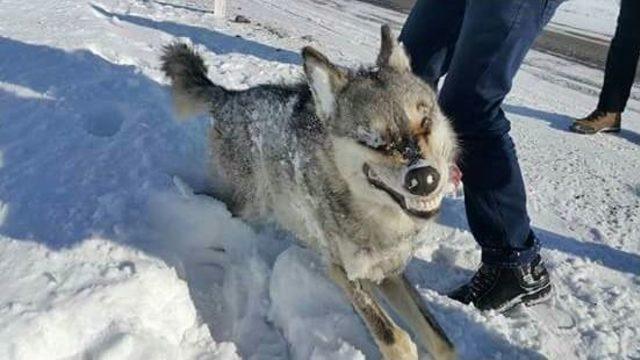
{"x":597,"y":121}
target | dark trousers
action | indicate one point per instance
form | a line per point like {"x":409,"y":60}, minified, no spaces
{"x":622,"y":60}
{"x":480,"y":45}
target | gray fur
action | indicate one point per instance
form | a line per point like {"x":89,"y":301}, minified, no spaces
{"x":193,"y":91}
{"x":308,"y":156}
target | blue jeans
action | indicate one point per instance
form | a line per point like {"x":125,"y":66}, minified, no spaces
{"x":480,"y":45}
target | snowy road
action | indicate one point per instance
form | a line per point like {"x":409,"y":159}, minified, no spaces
{"x":580,"y":31}
{"x":105,"y":252}
{"x":590,"y":17}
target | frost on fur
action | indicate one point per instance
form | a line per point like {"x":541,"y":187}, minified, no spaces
{"x":328,"y":160}
{"x":193,"y":92}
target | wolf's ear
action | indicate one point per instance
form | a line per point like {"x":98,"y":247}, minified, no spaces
{"x":392,"y":54}
{"x":325,"y":80}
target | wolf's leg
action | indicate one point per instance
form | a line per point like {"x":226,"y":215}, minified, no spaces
{"x":407,"y":302}
{"x":393,"y":342}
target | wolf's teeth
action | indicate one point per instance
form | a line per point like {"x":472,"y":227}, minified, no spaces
{"x":422,"y":204}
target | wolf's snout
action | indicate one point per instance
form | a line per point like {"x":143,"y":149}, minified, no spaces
{"x":422,"y":180}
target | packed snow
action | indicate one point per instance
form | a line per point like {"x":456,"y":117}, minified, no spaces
{"x":107,"y":252}
{"x":589,"y":17}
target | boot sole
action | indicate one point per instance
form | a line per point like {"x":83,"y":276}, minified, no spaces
{"x":594,"y":131}
{"x":541,"y":296}
{"x":529,"y":299}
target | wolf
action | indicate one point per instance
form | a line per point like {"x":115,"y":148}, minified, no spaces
{"x":354,"y":162}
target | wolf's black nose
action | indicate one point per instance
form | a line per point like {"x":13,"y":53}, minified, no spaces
{"x":422,"y":180}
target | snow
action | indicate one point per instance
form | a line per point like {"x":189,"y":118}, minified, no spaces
{"x":105,"y":251}
{"x":97,"y":300}
{"x":591,"y":17}
{"x":336,"y":332}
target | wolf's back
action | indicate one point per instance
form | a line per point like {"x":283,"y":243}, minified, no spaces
{"x":193,"y":92}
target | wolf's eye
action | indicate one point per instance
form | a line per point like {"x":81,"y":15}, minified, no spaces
{"x":377,"y":146}
{"x":372,"y":139}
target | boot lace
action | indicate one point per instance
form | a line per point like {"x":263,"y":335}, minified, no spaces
{"x":482,"y":280}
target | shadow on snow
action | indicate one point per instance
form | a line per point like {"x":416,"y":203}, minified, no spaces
{"x":612,"y":258}
{"x":217,"y":42}
{"x":84,"y":146}
{"x":562,"y":122}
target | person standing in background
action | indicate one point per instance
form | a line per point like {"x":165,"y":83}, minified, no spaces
{"x":480,"y":45}
{"x":619,"y":75}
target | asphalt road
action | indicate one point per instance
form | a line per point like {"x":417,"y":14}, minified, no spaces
{"x":557,"y":40}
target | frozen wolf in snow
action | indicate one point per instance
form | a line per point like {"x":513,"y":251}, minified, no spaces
{"x":353,"y":162}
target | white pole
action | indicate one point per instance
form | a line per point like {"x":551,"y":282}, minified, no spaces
{"x":220,"y":8}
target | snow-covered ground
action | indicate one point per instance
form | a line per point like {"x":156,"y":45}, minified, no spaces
{"x":591,"y":17}
{"x":105,"y":251}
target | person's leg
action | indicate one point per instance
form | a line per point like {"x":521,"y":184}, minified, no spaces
{"x":622,"y":59}
{"x":429,"y":35}
{"x":494,"y":38}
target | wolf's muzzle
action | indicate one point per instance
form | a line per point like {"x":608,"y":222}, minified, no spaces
{"x":422,"y":180}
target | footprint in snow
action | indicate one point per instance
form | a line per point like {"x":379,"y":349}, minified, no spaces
{"x":103,"y":120}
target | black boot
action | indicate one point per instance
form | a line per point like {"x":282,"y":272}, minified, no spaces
{"x":502,"y":288}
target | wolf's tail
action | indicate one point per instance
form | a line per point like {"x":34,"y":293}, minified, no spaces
{"x":193,"y":92}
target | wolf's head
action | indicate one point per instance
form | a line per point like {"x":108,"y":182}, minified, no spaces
{"x":392,"y":143}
